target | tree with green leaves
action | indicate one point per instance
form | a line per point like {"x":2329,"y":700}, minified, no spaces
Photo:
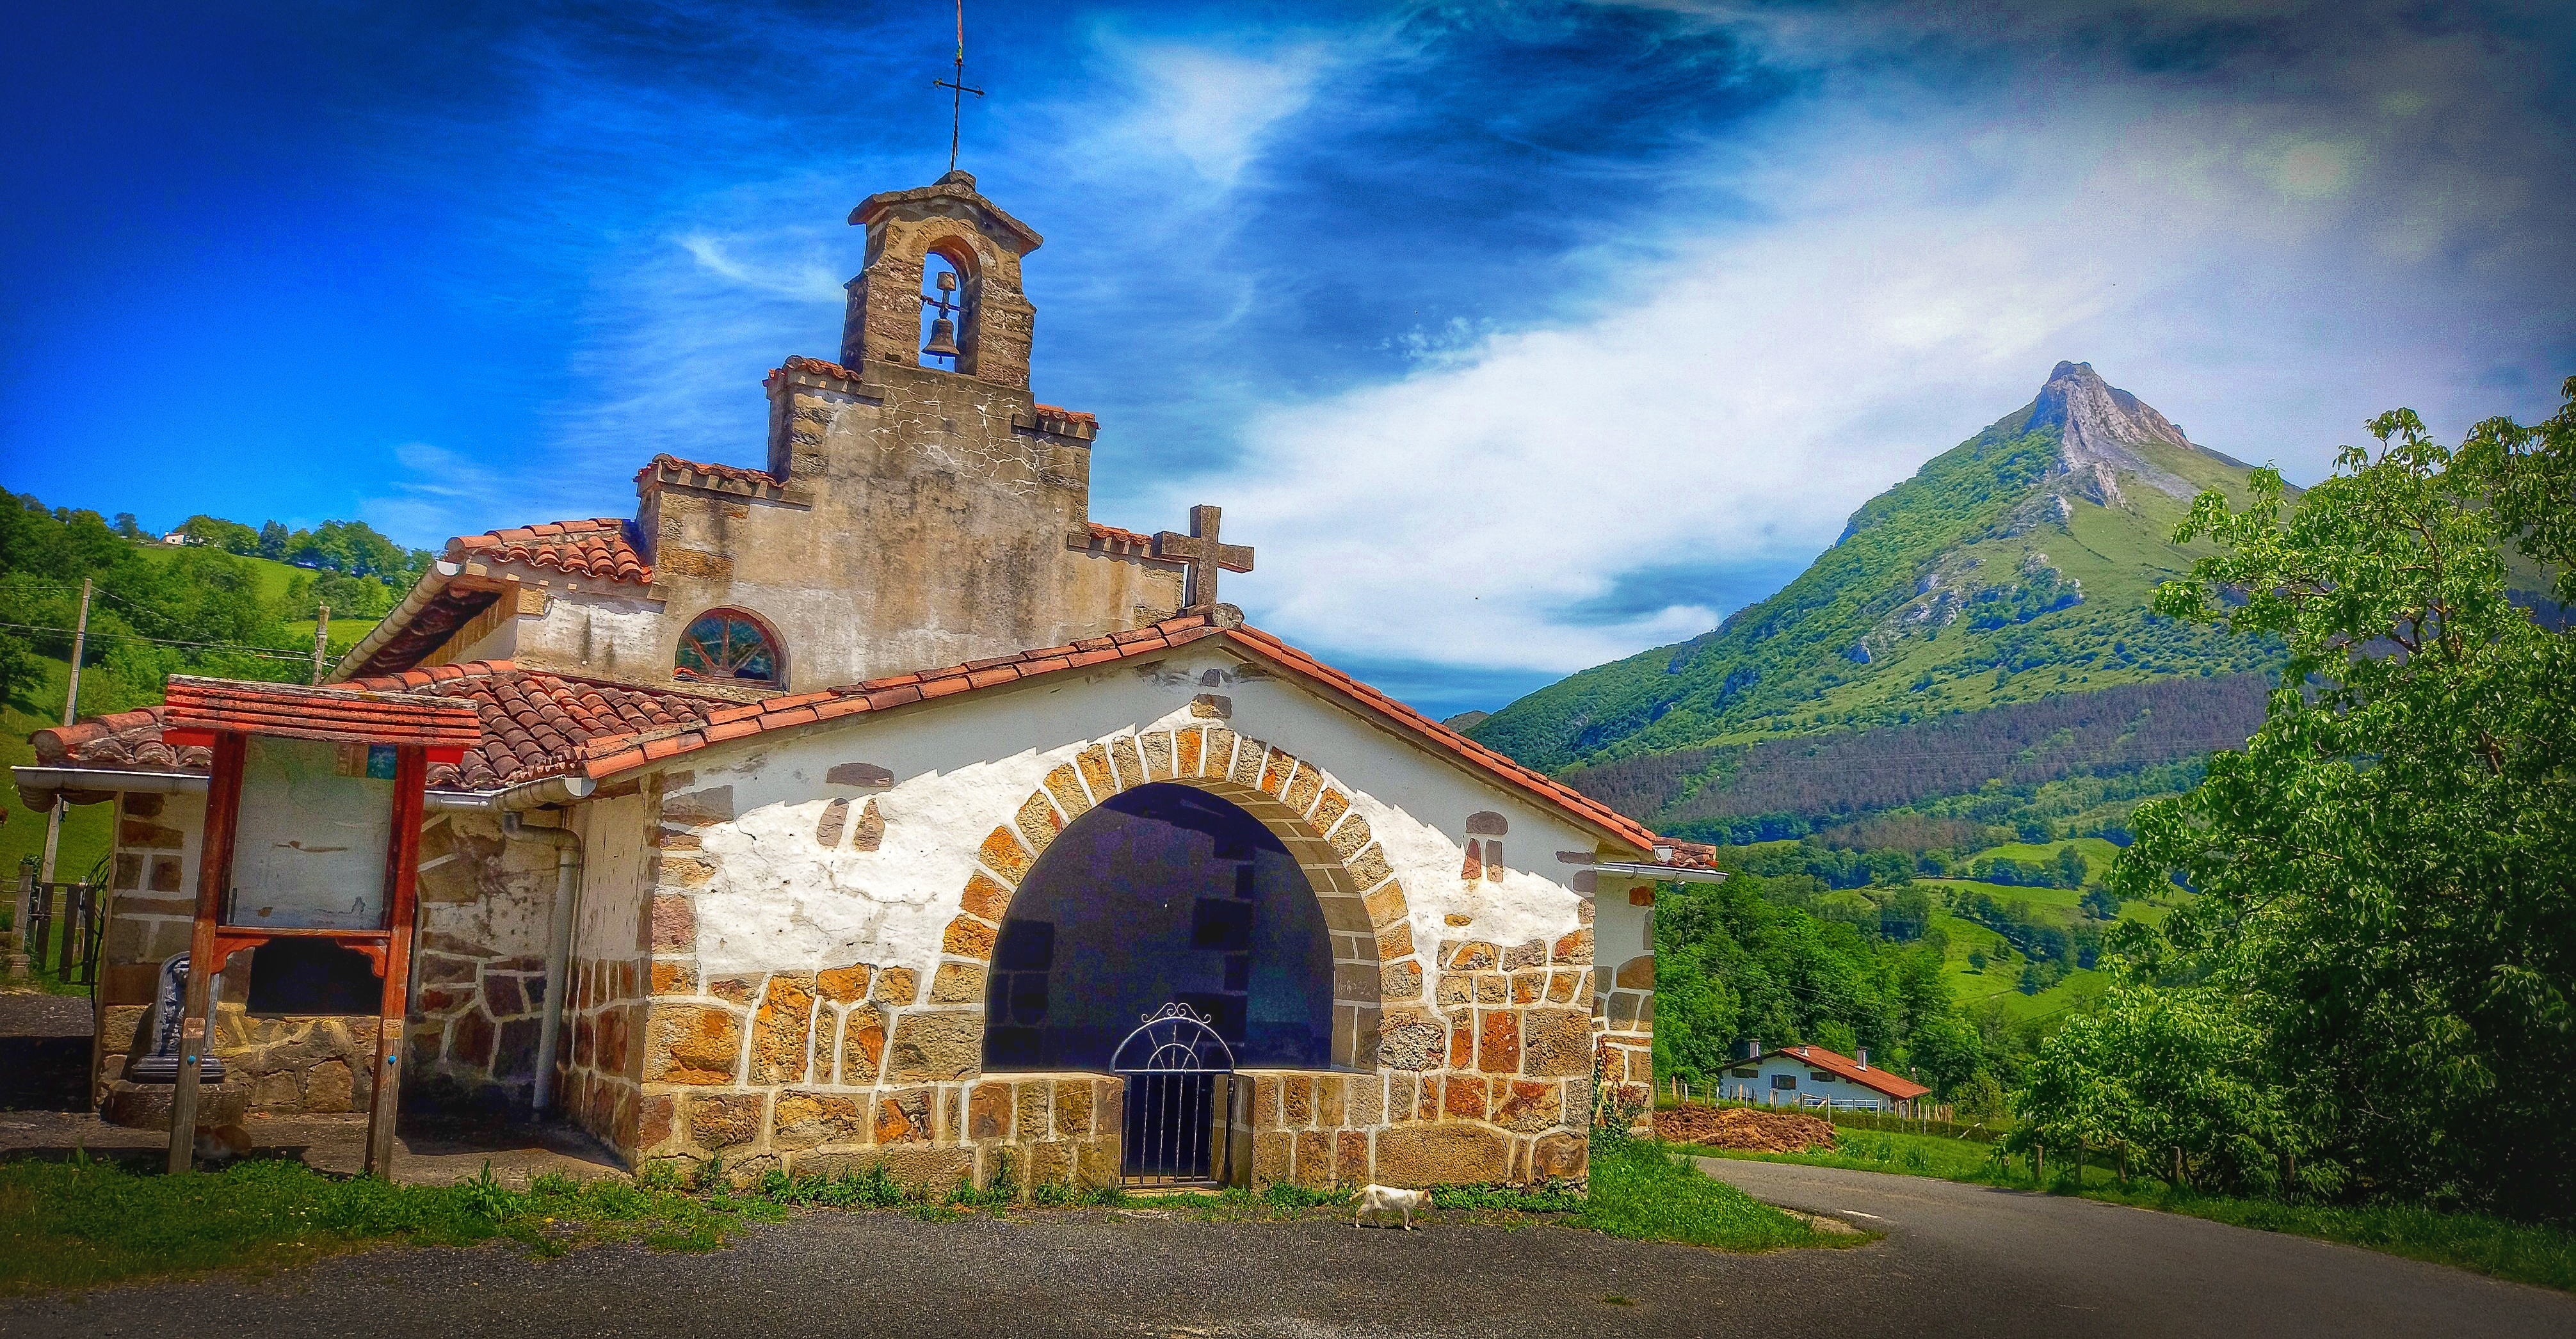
{"x":2387,"y":871}
{"x":2171,"y":1081}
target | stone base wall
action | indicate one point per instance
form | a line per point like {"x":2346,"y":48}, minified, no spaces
{"x":821,"y":1071}
{"x":596,"y":1065}
{"x":284,"y":1062}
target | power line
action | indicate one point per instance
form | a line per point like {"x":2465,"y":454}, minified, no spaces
{"x":239,"y":648}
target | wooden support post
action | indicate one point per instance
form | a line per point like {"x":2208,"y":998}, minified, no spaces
{"x":411,"y":768}
{"x":214,"y":876}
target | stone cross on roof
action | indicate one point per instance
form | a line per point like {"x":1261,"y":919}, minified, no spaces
{"x":1204,"y":554}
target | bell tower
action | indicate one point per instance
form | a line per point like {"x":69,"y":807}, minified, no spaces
{"x":948,"y":219}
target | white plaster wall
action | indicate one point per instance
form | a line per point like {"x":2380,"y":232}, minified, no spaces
{"x":607,"y":635}
{"x":779,"y":902}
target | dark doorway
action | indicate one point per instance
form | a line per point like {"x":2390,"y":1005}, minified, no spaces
{"x":312,"y":976}
{"x":1163,"y":895}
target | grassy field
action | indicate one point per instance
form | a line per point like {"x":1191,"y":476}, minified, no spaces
{"x":22,"y":833}
{"x":2522,"y":1252}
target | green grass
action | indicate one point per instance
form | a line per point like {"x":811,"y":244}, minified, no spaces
{"x":2521,"y":1252}
{"x":85,"y":1223}
{"x":1640,"y":1192}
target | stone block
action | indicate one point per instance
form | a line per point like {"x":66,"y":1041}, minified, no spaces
{"x":1274,"y":779}
{"x":1493,"y":988}
{"x":844,"y":984}
{"x":1297,"y":1101}
{"x":780,"y":1029}
{"x":675,"y":976}
{"x":1367,"y":1100}
{"x":1400,"y":1091}
{"x":1314,"y":1158}
{"x":1038,"y":822}
{"x":863,"y":1037}
{"x":1575,"y":948}
{"x":1349,"y":836}
{"x":503,"y":995}
{"x":986,"y":898}
{"x":1124,"y":760}
{"x":1187,"y":747}
{"x":1454,"y":989}
{"x":1030,"y":1099}
{"x":692,"y":1043}
{"x":1073,"y":1108}
{"x":1462,"y":1097}
{"x":968,"y":937}
{"x":1637,"y":973}
{"x":657,"y":1115}
{"x":1264,"y":1114}
{"x":1498,"y":1042}
{"x":685,"y":871}
{"x":720,"y":1121}
{"x":1328,"y":810}
{"x":1521,"y":956}
{"x":1530,"y":1107}
{"x":933,"y":1047}
{"x":1560,"y":1157}
{"x":1368,"y":867}
{"x":1462,"y":1040}
{"x":1097,"y":1162}
{"x":1351,"y":1158}
{"x":957,"y":983}
{"x":328,"y":1087}
{"x":1274,"y":1154}
{"x":806,"y":1119}
{"x":1093,"y":762}
{"x":132,"y":833}
{"x":1003,"y":854}
{"x":1556,"y":1043}
{"x":1401,"y":980}
{"x":1157,"y":748}
{"x":470,"y":1039}
{"x":1442,"y":1154}
{"x":1331,"y":1108}
{"x":1248,"y":756}
{"x":1395,"y":942}
{"x":988,"y":1112}
{"x":903,"y":1117}
{"x":1050,"y":1163}
{"x":675,"y":923}
{"x":896,"y":985}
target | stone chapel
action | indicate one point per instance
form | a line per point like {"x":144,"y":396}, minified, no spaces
{"x":871,"y":806}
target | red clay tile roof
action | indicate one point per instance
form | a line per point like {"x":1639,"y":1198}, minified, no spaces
{"x":1127,"y":543}
{"x":1897,"y":1086}
{"x":737,"y":473}
{"x":537,"y":724}
{"x":1070,"y":415}
{"x":810,"y":366}
{"x":354,"y":715}
{"x":532,"y":724}
{"x":603,"y":547}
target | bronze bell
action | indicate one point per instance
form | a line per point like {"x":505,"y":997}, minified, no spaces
{"x":943,"y":338}
{"x":943,"y":332}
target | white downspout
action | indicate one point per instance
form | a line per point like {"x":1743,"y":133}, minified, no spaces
{"x":567,"y":844}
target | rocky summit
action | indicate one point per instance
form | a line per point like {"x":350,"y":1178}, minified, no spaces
{"x":2013,"y":570}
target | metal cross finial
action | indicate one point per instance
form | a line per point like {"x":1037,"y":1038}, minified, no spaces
{"x":1203,"y":552}
{"x":957,"y":87}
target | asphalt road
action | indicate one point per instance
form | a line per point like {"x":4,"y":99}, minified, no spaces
{"x":1957,"y":1260}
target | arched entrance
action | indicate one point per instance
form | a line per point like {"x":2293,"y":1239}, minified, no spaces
{"x":1162,"y":895}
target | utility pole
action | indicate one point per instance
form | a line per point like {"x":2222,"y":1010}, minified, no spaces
{"x":321,"y":638}
{"x":71,"y":709}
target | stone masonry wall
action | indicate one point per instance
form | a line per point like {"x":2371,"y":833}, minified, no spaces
{"x":866,"y":1062}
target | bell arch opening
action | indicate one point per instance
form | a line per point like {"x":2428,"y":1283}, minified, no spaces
{"x":1162,"y":894}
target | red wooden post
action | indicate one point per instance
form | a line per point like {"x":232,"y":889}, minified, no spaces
{"x":214,"y":882}
{"x":411,"y":768}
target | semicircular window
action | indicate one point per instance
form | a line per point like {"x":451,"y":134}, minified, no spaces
{"x":727,"y":646}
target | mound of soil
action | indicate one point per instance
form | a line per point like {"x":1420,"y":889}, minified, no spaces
{"x":1745,"y":1129}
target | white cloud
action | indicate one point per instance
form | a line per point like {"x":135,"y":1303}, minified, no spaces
{"x":1197,"y":106}
{"x":2262,"y":265}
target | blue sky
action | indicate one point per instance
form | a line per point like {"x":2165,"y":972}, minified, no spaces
{"x":1515,"y":337}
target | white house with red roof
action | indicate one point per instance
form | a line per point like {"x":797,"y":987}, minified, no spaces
{"x":875,"y":807}
{"x":1811,"y":1076}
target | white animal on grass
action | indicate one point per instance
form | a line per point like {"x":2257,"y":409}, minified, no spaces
{"x":1379,"y":1201}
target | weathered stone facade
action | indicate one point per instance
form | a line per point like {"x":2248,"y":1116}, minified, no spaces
{"x":1471,"y":1061}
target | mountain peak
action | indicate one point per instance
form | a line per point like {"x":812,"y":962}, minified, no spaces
{"x":2100,"y":428}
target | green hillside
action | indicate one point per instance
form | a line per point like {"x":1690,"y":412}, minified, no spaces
{"x":2012,"y":568}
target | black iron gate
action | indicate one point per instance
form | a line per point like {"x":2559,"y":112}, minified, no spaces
{"x":1180,"y":1099}
{"x":74,"y":934}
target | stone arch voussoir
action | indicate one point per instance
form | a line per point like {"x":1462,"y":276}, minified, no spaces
{"x":1375,"y":965}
